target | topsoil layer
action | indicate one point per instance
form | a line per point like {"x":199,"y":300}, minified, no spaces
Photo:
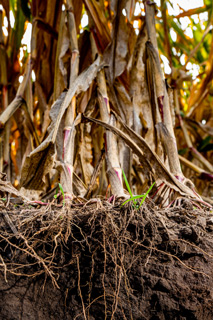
{"x":105,"y":262}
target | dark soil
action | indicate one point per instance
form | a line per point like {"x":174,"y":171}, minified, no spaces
{"x":105,"y":262}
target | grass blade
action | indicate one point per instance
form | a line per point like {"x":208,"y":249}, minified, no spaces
{"x":127,"y":184}
{"x":138,"y":197}
{"x":132,"y":199}
{"x":128,"y":188}
{"x":146,"y":194}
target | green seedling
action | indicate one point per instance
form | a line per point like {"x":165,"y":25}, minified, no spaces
{"x":146,"y":194}
{"x":133,"y":198}
{"x":128,"y":187}
{"x":62,"y":191}
{"x":56,"y":194}
{"x":139,"y":197}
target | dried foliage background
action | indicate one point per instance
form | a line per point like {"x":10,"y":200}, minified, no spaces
{"x":83,"y":105}
{"x":109,"y":75}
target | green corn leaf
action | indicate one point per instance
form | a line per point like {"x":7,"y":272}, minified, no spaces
{"x":12,"y":5}
{"x":176,"y":26}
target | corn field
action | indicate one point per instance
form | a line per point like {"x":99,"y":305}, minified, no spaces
{"x":100,"y":102}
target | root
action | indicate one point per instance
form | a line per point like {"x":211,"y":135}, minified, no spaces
{"x":108,"y":241}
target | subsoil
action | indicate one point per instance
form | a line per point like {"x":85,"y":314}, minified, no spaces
{"x":101,"y":261}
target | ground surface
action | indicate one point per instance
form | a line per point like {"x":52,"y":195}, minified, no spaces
{"x":105,"y":262}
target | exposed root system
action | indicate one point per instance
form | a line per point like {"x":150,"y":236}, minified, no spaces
{"x":106,"y":262}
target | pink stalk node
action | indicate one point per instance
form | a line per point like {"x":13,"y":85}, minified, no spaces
{"x":118,"y":175}
{"x":5,"y":96}
{"x":69,"y":170}
{"x":106,"y":101}
{"x":179,"y":178}
{"x":110,"y":200}
{"x":66,"y":135}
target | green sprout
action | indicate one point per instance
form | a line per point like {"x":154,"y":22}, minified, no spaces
{"x":128,"y":187}
{"x":62,"y":191}
{"x":133,"y":198}
{"x":56,"y":194}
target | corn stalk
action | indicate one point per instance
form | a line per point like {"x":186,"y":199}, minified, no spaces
{"x":69,"y":128}
{"x":164,"y":125}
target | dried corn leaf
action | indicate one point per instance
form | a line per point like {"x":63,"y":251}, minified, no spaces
{"x":41,"y":160}
{"x":7,"y":187}
{"x":60,"y":79}
{"x":203,"y":127}
{"x":149,"y":158}
{"x":102,"y":32}
{"x":116,"y":54}
{"x":18,"y":100}
{"x":139,"y":91}
{"x":193,"y":99}
{"x":130,"y":8}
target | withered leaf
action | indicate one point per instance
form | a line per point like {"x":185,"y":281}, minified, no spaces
{"x":41,"y":160}
{"x":148,"y":157}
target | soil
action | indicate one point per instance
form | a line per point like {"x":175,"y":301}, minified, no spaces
{"x":102,"y":261}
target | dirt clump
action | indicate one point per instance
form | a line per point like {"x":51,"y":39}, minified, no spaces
{"x":102,"y":261}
